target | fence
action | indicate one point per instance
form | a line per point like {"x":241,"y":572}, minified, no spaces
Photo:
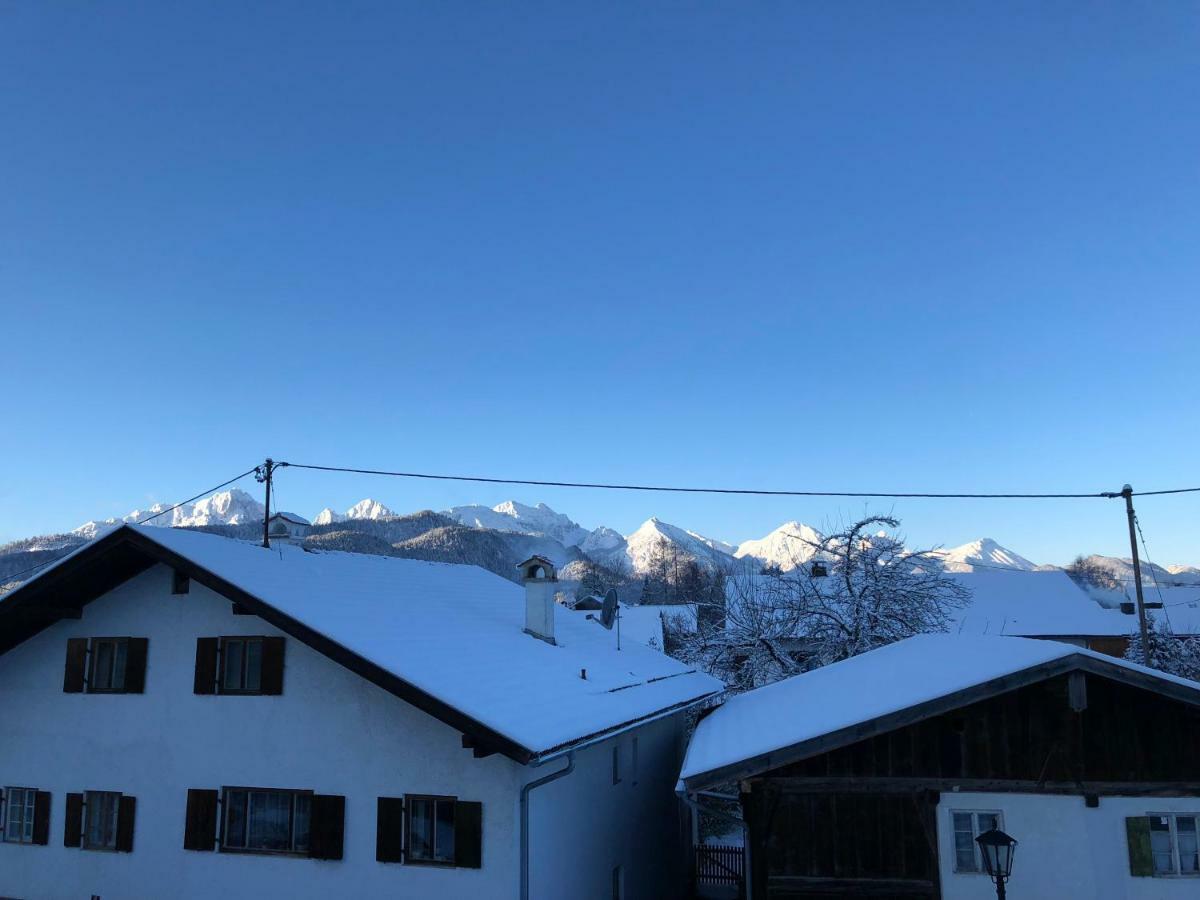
{"x":717,"y":864}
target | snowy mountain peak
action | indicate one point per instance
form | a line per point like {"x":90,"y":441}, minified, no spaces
{"x":788,"y":546}
{"x":231,"y":507}
{"x":363,"y":509}
{"x":984,"y":552}
{"x":516,"y":517}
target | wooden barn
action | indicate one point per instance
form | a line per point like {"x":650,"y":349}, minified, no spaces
{"x":874,"y":776}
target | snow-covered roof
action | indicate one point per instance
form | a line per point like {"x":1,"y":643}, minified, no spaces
{"x":1033,"y":604}
{"x":643,"y":624}
{"x":451,"y":632}
{"x":764,"y":723}
{"x":292,"y":517}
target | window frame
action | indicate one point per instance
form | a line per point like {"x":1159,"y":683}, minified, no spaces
{"x":410,"y":801}
{"x":979,"y":869}
{"x":616,"y":763}
{"x":222,"y":649}
{"x":225,"y":809}
{"x":1173,"y":837}
{"x":29,"y":814}
{"x":89,"y":806}
{"x":118,"y":643}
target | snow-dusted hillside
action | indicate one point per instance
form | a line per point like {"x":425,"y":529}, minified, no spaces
{"x":232,"y":507}
{"x":984,"y":553}
{"x":635,"y":554}
{"x":517,"y":517}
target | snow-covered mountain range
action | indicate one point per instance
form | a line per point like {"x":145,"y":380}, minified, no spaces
{"x":499,"y":536}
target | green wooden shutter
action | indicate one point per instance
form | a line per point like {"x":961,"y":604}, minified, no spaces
{"x":206,"y":666}
{"x":468,"y":834}
{"x":135,"y":664}
{"x":389,"y":830}
{"x":1137,"y":833}
{"x":73,"y":821}
{"x":200,"y":822}
{"x":76,"y":665}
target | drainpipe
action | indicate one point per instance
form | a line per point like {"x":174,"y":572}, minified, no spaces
{"x":525,"y":792}
{"x":697,"y":808}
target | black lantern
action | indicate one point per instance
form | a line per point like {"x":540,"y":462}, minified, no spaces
{"x":997,"y":850}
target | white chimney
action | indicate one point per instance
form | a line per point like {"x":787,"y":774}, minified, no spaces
{"x":541,"y":581}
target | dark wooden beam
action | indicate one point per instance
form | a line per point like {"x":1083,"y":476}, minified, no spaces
{"x":982,"y":785}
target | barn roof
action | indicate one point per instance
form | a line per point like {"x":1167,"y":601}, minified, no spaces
{"x":882,"y":690}
{"x":447,"y":638}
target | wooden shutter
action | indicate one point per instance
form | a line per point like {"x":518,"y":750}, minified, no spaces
{"x":468,"y":835}
{"x":76,"y":665}
{"x":1137,"y":833}
{"x":389,"y":830}
{"x":41,"y":818}
{"x":135,"y":664}
{"x":126,"y":811}
{"x":206,"y":666}
{"x":327,"y":828}
{"x":200,"y":826}
{"x":73,"y":822}
{"x":272,"y":666}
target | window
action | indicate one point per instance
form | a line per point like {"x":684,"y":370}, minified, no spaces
{"x":431,"y":830}
{"x":100,"y":820}
{"x":109,"y":656}
{"x":180,"y":583}
{"x":634,"y":765}
{"x":18,"y":815}
{"x":967,"y":826}
{"x":616,"y":763}
{"x":267,"y":821}
{"x":241,"y":665}
{"x":618,"y":883}
{"x":1173,"y":844}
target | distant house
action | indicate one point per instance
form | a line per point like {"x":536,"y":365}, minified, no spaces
{"x":872,"y":777}
{"x":290,"y":525}
{"x":231,"y":720}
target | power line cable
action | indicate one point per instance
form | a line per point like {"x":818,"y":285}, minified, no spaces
{"x":14,"y":575}
{"x":1153,"y":575}
{"x":700,"y":490}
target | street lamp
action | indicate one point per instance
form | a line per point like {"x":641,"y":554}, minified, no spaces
{"x":997,"y":850}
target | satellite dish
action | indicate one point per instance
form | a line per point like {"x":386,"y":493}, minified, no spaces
{"x":608,"y":612}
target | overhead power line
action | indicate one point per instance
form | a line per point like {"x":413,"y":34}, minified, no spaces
{"x":707,"y":490}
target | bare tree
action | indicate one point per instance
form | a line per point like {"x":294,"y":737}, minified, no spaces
{"x":861,"y":589}
{"x":1087,"y":572}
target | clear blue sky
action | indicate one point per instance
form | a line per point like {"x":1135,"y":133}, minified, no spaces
{"x":795,"y":245}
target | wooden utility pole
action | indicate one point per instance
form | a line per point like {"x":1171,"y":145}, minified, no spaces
{"x":1127,"y":493}
{"x":264,"y":474}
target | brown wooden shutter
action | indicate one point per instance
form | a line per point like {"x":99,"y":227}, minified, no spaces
{"x":389,"y":830}
{"x":206,"y":666}
{"x":200,"y":826}
{"x":468,"y":835}
{"x":41,"y":818}
{"x":327,"y":828}
{"x":76,"y":665}
{"x":73,"y":822}
{"x":1137,"y":833}
{"x":135,"y":664}
{"x":126,"y":812}
{"x":272,"y":666}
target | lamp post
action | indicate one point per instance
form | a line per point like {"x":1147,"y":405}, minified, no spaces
{"x":997,"y":850}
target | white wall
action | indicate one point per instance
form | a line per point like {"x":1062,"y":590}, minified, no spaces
{"x":583,"y":825}
{"x":1066,"y":850}
{"x":331,"y":732}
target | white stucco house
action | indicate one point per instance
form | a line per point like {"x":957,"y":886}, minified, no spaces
{"x":192,"y":716}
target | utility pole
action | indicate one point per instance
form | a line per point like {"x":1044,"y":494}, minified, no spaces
{"x":264,"y":474}
{"x":1127,"y":493}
